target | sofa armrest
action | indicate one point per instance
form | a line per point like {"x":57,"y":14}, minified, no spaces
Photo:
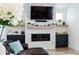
{"x":25,"y":46}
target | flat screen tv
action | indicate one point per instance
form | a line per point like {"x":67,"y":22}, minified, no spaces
{"x":41,"y":12}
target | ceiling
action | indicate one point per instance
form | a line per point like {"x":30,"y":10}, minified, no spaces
{"x":62,"y":5}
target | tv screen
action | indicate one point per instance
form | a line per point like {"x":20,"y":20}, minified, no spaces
{"x":41,"y":12}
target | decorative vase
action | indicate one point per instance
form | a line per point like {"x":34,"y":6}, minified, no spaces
{"x":22,"y":32}
{"x":63,"y":23}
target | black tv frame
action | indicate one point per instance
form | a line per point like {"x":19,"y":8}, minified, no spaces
{"x":41,"y":20}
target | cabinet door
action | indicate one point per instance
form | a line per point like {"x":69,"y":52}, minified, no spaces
{"x":61,"y":40}
{"x":12,"y":38}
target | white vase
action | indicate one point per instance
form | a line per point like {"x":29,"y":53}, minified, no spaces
{"x":2,"y":49}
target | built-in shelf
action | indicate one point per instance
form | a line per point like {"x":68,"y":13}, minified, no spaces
{"x":45,"y":26}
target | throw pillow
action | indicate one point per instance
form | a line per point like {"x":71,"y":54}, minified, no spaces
{"x":16,"y":47}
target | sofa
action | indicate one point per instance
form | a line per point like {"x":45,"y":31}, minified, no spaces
{"x":27,"y":51}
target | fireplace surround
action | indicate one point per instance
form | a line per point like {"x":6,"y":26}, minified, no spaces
{"x":46,"y":44}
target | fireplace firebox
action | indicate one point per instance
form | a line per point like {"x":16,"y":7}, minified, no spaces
{"x":40,"y":37}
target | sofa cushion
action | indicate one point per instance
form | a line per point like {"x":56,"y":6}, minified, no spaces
{"x":33,"y":51}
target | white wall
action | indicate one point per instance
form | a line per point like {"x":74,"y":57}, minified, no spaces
{"x":15,"y":8}
{"x":64,"y":11}
{"x":73,"y":23}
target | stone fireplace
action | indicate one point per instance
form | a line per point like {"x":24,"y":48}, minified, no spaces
{"x":40,"y":38}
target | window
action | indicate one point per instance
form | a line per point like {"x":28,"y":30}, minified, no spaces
{"x":59,"y":16}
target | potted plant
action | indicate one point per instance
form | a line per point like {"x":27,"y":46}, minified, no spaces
{"x":7,"y":19}
{"x":59,"y":22}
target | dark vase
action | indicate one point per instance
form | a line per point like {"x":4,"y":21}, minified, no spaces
{"x":28,"y":23}
{"x":22,"y":32}
{"x":63,"y":23}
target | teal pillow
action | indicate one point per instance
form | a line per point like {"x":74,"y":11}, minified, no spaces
{"x":16,"y":47}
